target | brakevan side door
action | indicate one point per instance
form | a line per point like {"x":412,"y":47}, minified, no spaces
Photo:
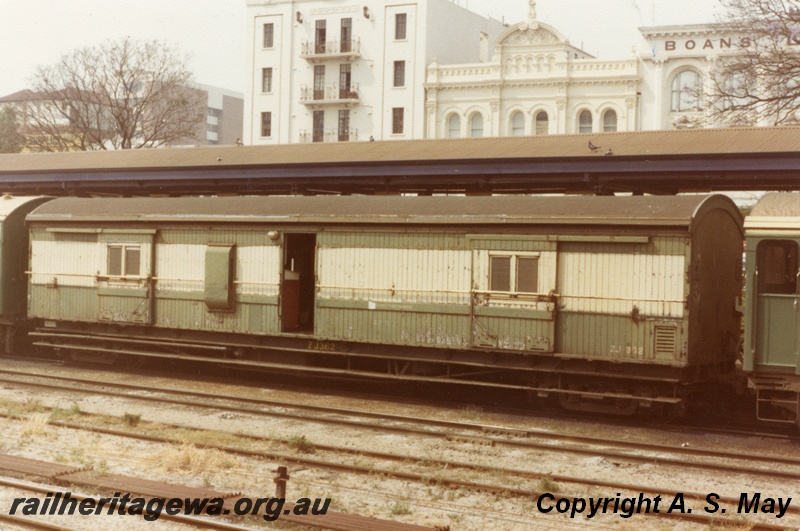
{"x":777,"y":304}
{"x":513,"y":281}
{"x":125,"y":281}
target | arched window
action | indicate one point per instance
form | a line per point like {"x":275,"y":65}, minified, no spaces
{"x":610,"y":121}
{"x":585,"y":122}
{"x":476,"y":125}
{"x":517,"y":124}
{"x":685,"y":86}
{"x":454,"y":126}
{"x":542,"y":123}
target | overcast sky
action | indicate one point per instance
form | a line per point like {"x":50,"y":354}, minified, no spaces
{"x":36,"y":32}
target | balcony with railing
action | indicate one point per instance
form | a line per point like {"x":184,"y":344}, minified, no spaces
{"x":313,"y":51}
{"x":328,"y":135}
{"x":330,"y":95}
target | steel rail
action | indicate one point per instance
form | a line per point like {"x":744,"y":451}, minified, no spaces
{"x":491,"y":430}
{"x":427,"y":479}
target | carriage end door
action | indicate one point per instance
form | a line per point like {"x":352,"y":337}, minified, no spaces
{"x":777,"y":304}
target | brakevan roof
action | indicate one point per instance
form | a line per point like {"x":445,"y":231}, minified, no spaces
{"x":775,"y":211}
{"x":493,"y":210}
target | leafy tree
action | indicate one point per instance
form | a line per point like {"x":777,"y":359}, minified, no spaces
{"x":759,"y":81}
{"x":10,"y":138}
{"x":119,"y":95}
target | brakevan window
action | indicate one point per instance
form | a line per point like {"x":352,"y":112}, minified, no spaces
{"x":514,"y":273}
{"x":124,"y":260}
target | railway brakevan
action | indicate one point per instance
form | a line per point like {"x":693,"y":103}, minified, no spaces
{"x":606,"y":303}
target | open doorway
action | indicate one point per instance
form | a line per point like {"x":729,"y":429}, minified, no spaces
{"x":298,"y":283}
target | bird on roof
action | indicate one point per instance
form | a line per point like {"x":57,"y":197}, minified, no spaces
{"x":593,"y":147}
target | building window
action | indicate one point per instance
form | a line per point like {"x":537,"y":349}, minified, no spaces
{"x":684,"y":91}
{"x":400,"y":20}
{"x":319,"y":82}
{"x":476,"y":125}
{"x":345,"y":77}
{"x":346,"y":35}
{"x":344,"y":125}
{"x":585,"y":122}
{"x":514,"y":273}
{"x":517,"y":124}
{"x":397,"y":120}
{"x":454,"y":126}
{"x":266,"y":124}
{"x":399,"y":73}
{"x":542,"y":123}
{"x":124,"y":260}
{"x":320,"y":37}
{"x":266,"y":80}
{"x":610,"y":121}
{"x":269,"y":35}
{"x":318,"y":134}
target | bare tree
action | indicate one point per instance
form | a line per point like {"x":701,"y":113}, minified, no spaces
{"x":120,"y":95}
{"x":759,"y":80}
{"x":10,"y":138}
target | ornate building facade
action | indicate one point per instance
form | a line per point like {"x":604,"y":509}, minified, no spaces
{"x":536,"y":83}
{"x":431,"y":69}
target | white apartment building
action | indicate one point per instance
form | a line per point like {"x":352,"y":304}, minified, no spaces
{"x":331,"y":70}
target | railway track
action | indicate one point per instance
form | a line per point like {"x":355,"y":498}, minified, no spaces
{"x":441,"y":480}
{"x":460,"y":432}
{"x":467,"y":433}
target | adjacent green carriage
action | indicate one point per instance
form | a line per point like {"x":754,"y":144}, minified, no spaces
{"x":772,"y":324}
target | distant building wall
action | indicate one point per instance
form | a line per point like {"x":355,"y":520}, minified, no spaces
{"x":331,"y":71}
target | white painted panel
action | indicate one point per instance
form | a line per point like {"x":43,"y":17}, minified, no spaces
{"x":612,"y":283}
{"x":180,"y":267}
{"x":70,"y":263}
{"x":407,"y":275}
{"x":258,"y":270}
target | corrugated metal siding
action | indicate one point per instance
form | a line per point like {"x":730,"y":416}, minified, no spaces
{"x":63,"y":303}
{"x":613,"y":296}
{"x":393,"y":327}
{"x":617,"y":337}
{"x":393,"y":273}
{"x":63,"y":281}
{"x":180,"y":273}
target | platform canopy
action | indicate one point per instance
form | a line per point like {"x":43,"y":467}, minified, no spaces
{"x":654,"y":162}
